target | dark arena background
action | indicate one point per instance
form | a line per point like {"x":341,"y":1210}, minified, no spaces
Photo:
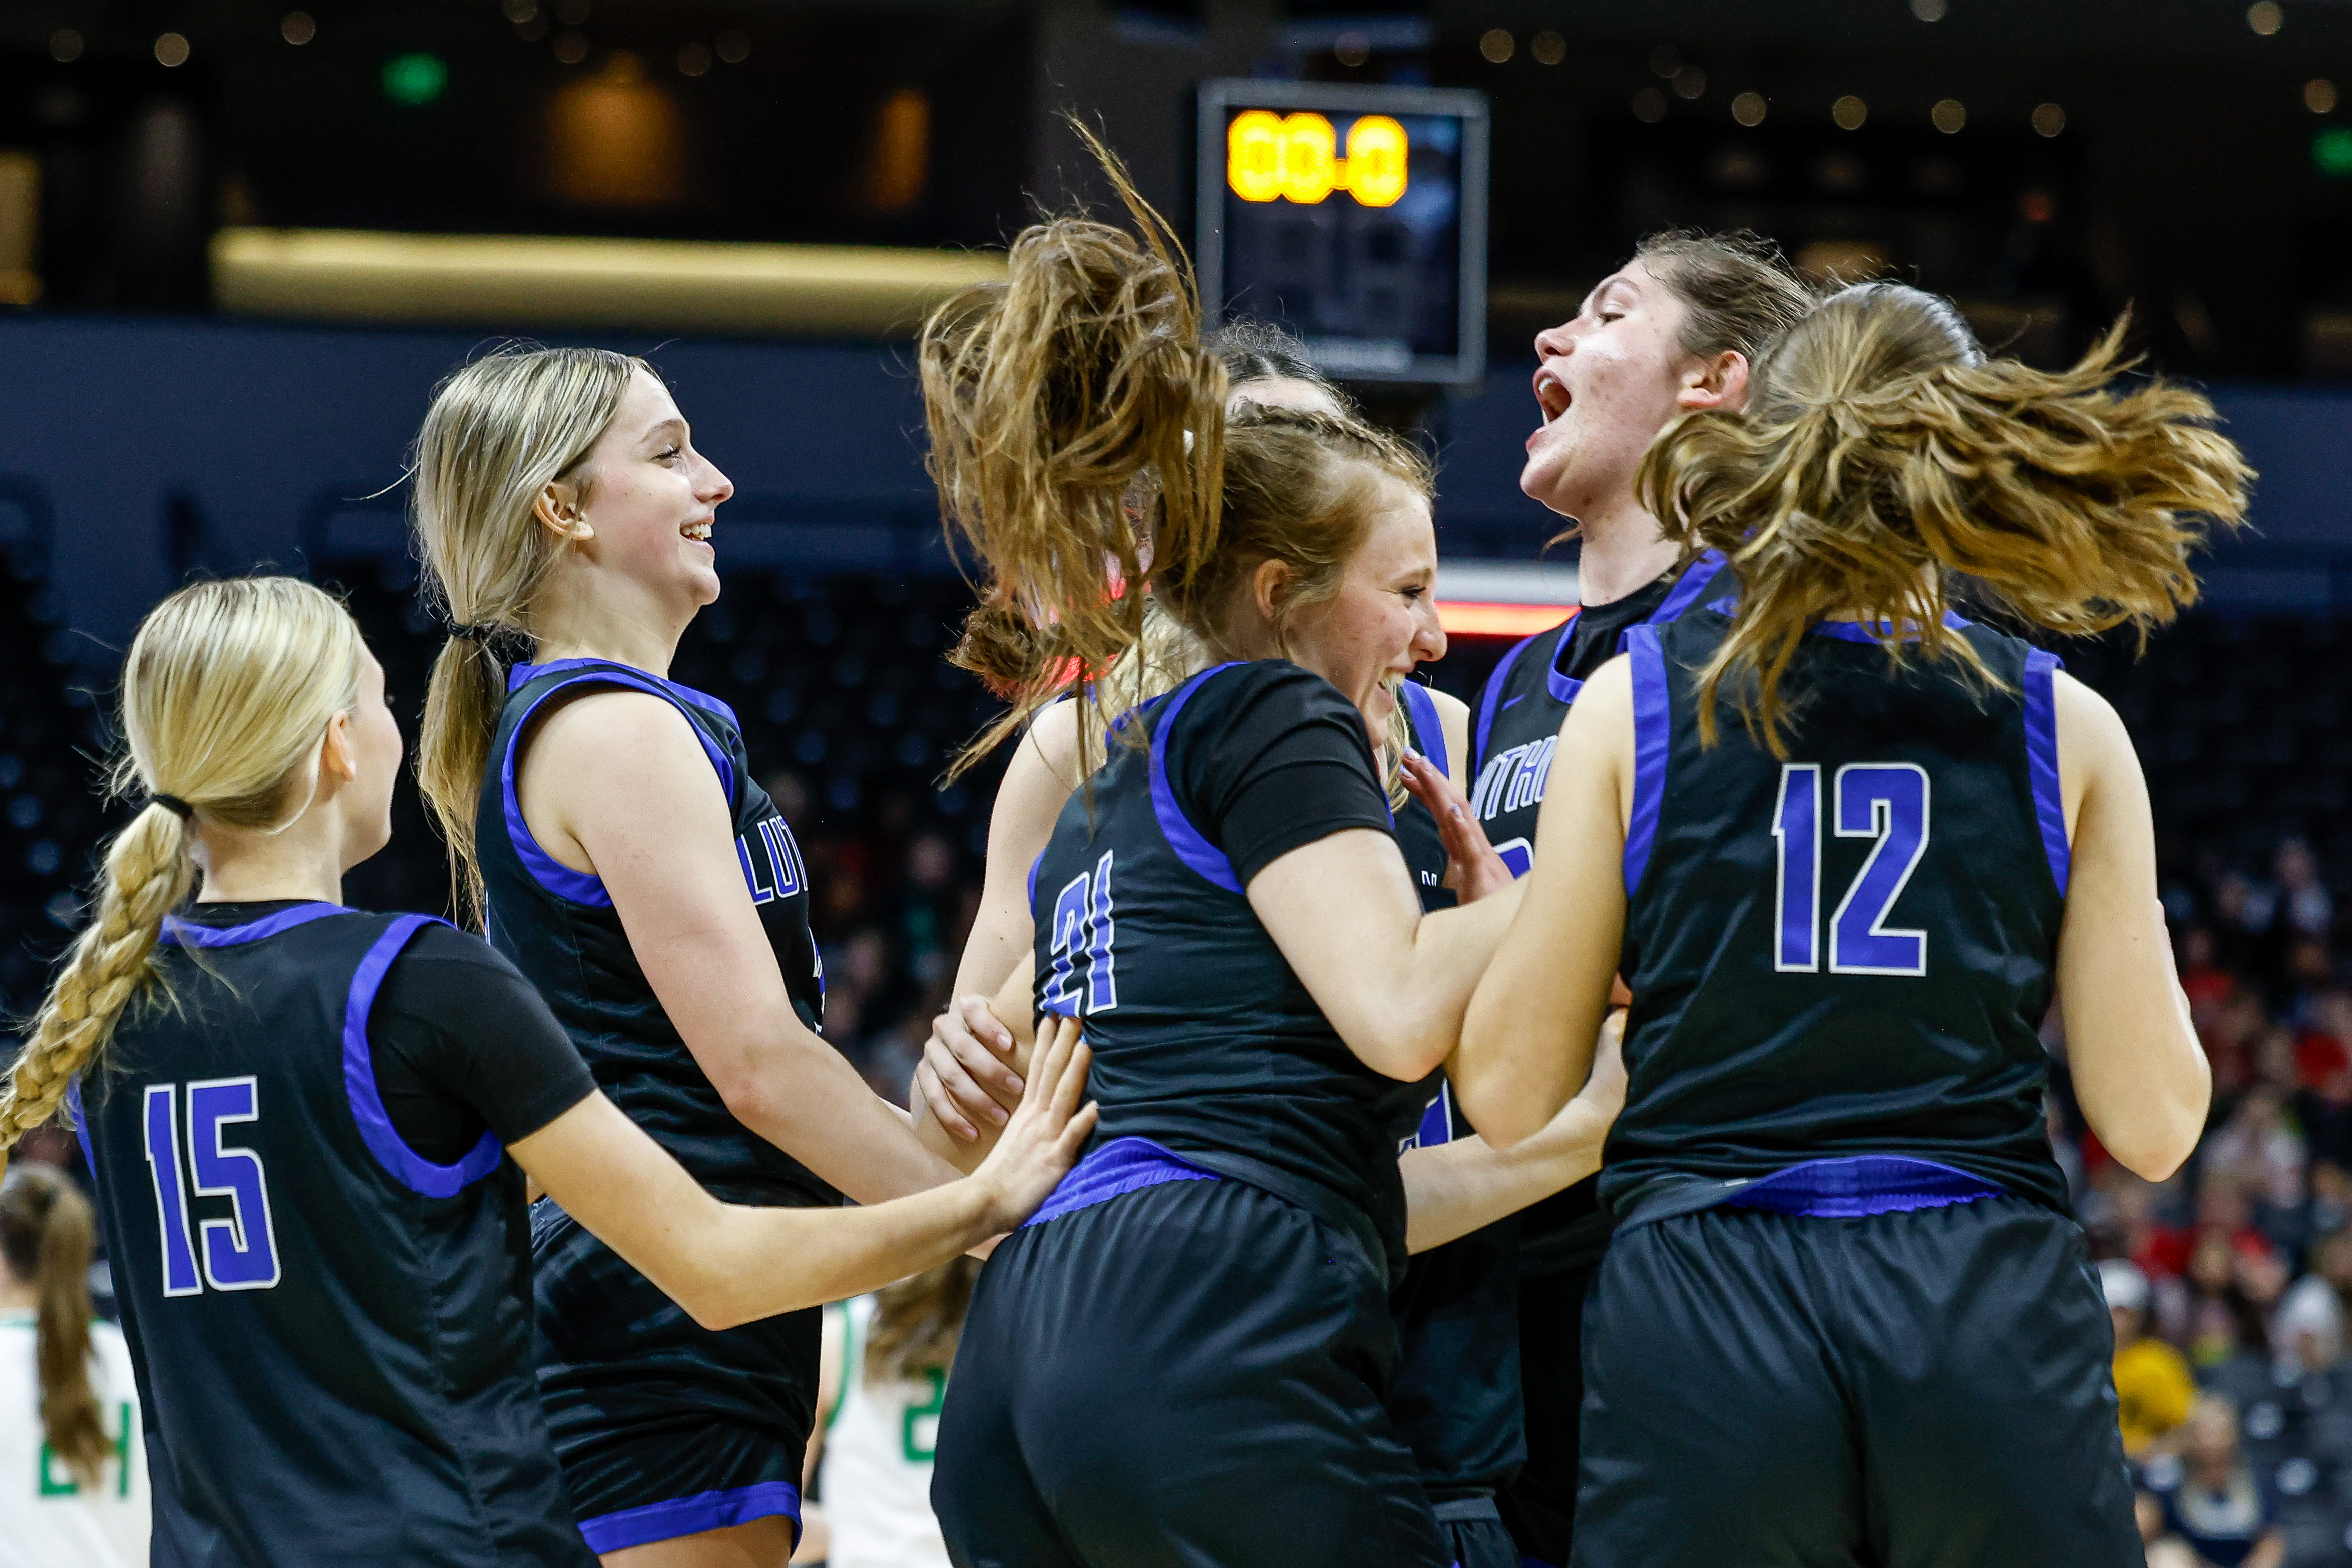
{"x":240,"y":243}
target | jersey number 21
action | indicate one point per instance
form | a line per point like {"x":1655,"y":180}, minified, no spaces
{"x":1884,"y":801}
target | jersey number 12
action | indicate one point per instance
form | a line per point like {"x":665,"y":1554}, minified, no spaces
{"x":1884,"y":801}
{"x":238,"y":1252}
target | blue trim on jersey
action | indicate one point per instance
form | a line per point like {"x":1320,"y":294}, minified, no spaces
{"x":583,"y":887}
{"x":403,"y":1164}
{"x":1437,"y":1121}
{"x":1872,"y":632}
{"x":1561,"y":689}
{"x":692,"y":1516}
{"x":178,"y":933}
{"x":522,"y":675}
{"x":1490,"y":698}
{"x":1686,"y":591}
{"x":1862,"y":1185}
{"x":1120,"y":1166}
{"x":1428,"y":729}
{"x":1653,"y":734}
{"x":1032,"y":881}
{"x":1206,"y":859}
{"x":2041,"y":760}
{"x":81,"y":1127}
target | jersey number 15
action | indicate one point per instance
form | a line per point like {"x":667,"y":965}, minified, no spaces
{"x":238,"y":1252}
{"x":1885,"y":801}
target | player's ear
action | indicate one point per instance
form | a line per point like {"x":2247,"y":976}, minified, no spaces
{"x":337,"y":759}
{"x":1269,"y":585}
{"x":558,"y":508}
{"x":1719,"y":382}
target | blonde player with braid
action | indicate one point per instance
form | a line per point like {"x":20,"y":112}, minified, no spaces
{"x":310,"y":1126}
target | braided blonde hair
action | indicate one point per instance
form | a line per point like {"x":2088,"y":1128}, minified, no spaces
{"x":227,"y":697}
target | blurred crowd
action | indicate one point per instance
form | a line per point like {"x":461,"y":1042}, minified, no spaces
{"x":2231,"y":1284}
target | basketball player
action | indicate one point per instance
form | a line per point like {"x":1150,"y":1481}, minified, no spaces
{"x":1676,"y":329}
{"x":636,"y":873}
{"x":1844,"y":845}
{"x":301,"y":1136}
{"x":1186,"y":1360}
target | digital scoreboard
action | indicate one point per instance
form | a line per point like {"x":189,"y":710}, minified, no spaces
{"x":1353,"y":216}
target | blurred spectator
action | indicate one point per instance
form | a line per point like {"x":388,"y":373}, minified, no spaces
{"x":2221,"y":1210}
{"x":73,"y":1468}
{"x":2164,"y":1550}
{"x":2217,"y":1506}
{"x":882,"y":1382}
{"x":2309,"y":1326}
{"x":2260,"y":1152}
{"x":2202,"y":978}
{"x":2153,"y":1384}
{"x":2226,"y":1300}
{"x":2309,"y":907}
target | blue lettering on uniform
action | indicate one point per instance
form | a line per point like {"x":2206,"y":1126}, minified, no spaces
{"x":1436,"y":1121}
{"x":773,"y":867}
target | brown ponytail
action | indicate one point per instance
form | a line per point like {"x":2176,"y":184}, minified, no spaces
{"x":1047,"y":395}
{"x":1882,"y":454}
{"x":1054,"y":396}
{"x":226,"y":695}
{"x":45,"y":1242}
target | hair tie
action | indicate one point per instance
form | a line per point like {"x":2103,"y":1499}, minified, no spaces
{"x":483,"y":632}
{"x":174,"y":804}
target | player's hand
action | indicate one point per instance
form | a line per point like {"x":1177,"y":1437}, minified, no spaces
{"x":1473,"y":870}
{"x":966,"y":1075}
{"x":1604,"y":1090}
{"x":1042,"y":1140}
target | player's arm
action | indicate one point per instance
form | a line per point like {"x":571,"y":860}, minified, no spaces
{"x":617,"y":784}
{"x":2139,"y":1073}
{"x":969,"y":1076}
{"x":1007,"y":1014}
{"x":1453,"y":718}
{"x":728,"y":1264}
{"x":1527,"y":1042}
{"x":1452,"y":1189}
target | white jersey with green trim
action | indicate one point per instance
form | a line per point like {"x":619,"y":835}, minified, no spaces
{"x":48,"y":1520}
{"x":874,"y":1479}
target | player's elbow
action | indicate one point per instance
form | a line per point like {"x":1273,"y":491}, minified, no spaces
{"x":2154,"y":1155}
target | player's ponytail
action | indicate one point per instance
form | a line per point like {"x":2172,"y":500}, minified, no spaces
{"x":1079,"y":441}
{"x":1882,"y":456}
{"x":1047,"y":397}
{"x":226,"y":695}
{"x":499,"y":431}
{"x":45,"y":1242}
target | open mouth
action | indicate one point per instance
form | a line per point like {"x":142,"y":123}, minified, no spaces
{"x":698,"y":532}
{"x":1552,"y":394}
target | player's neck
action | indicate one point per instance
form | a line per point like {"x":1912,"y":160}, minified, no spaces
{"x":240,"y":867}
{"x":618,"y":629}
{"x":1622,"y":553}
{"x":16,"y":1297}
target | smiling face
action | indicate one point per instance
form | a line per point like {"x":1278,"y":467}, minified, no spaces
{"x":1367,"y":632}
{"x":1606,"y":381}
{"x":649,"y":499}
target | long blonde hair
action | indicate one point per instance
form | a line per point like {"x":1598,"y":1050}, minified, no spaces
{"x":227,"y":697}
{"x":499,"y":431}
{"x":1882,"y":456}
{"x":46,"y":1228}
{"x":1050,"y":396}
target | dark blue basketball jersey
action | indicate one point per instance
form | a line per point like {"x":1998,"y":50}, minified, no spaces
{"x":1846,"y":956}
{"x":1455,"y":1397}
{"x":561,"y":930}
{"x":331,"y":1333}
{"x":1515,"y":734}
{"x":1205,"y":1041}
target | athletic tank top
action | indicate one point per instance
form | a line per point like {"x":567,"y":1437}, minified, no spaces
{"x":1846,"y":956}
{"x":561,"y":930}
{"x":1205,"y":1041}
{"x":1515,"y":734}
{"x":332,"y":1334}
{"x":875,"y":1474}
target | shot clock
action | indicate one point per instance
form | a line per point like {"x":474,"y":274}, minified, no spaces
{"x":1353,"y":216}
